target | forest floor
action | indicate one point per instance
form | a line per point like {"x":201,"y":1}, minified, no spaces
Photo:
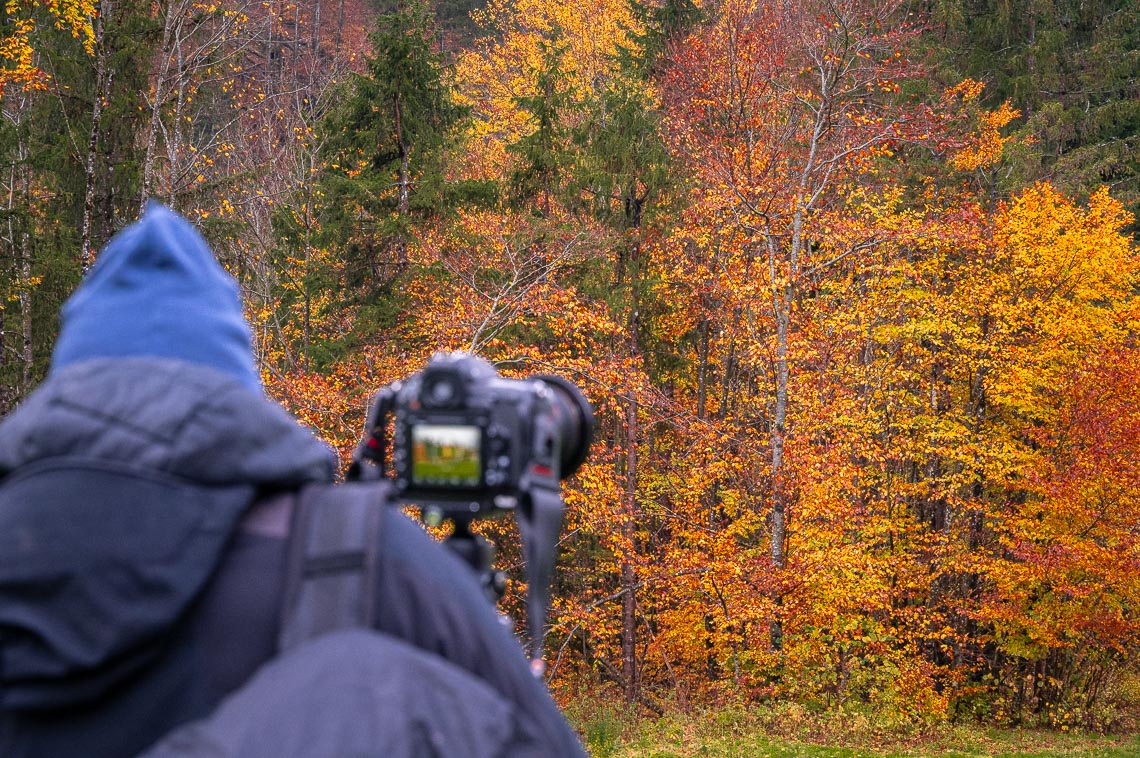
{"x":980,"y":745}
{"x":738,"y":733}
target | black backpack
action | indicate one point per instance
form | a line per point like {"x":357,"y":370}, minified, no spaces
{"x":336,"y":687}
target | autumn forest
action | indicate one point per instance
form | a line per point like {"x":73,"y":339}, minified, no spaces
{"x":853,"y":285}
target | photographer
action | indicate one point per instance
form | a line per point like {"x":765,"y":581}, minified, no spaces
{"x":147,"y":491}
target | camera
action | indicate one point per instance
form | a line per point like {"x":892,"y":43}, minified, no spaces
{"x":467,"y":442}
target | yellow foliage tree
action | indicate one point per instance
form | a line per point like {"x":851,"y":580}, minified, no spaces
{"x":493,"y":77}
{"x":18,"y":67}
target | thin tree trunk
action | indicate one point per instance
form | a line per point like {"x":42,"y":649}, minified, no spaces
{"x":628,"y":573}
{"x":308,"y":328}
{"x":339,"y":31}
{"x":160,"y":83}
{"x":296,"y":40}
{"x":405,"y":194}
{"x":729,"y":367}
{"x":782,"y":299}
{"x":5,"y":389}
{"x":174,"y":150}
{"x":22,"y":254}
{"x":269,"y":65}
{"x":709,"y":496}
{"x":102,"y":85}
{"x":404,"y":189}
{"x":26,"y":313}
{"x":777,"y":442}
{"x":703,"y":339}
{"x":11,"y":391}
{"x":315,"y":39}
{"x":1031,"y":57}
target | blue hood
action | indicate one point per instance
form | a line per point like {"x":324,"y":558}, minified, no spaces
{"x":157,"y":290}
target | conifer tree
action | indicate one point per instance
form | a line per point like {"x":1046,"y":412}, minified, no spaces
{"x":1070,"y":67}
{"x":68,"y":149}
{"x":543,"y":153}
{"x":387,"y":141}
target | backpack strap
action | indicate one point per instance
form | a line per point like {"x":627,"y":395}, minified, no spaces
{"x":332,"y":561}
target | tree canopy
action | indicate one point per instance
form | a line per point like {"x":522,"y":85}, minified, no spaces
{"x":851,"y":284}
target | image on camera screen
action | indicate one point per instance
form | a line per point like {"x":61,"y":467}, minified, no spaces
{"x":446,"y":455}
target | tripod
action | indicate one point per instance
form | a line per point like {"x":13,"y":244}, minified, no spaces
{"x":477,"y":552}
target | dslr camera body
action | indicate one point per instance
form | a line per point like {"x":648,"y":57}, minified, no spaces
{"x":468,"y":443}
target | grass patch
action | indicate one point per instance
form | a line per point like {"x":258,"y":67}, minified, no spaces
{"x":788,"y":731}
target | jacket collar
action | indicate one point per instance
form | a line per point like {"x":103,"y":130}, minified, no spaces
{"x":166,"y":415}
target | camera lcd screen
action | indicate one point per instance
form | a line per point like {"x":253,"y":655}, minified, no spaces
{"x":446,"y":455}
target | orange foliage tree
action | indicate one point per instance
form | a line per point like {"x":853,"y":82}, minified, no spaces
{"x":785,"y":113}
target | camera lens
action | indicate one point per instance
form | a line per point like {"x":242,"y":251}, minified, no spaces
{"x":575,"y":419}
